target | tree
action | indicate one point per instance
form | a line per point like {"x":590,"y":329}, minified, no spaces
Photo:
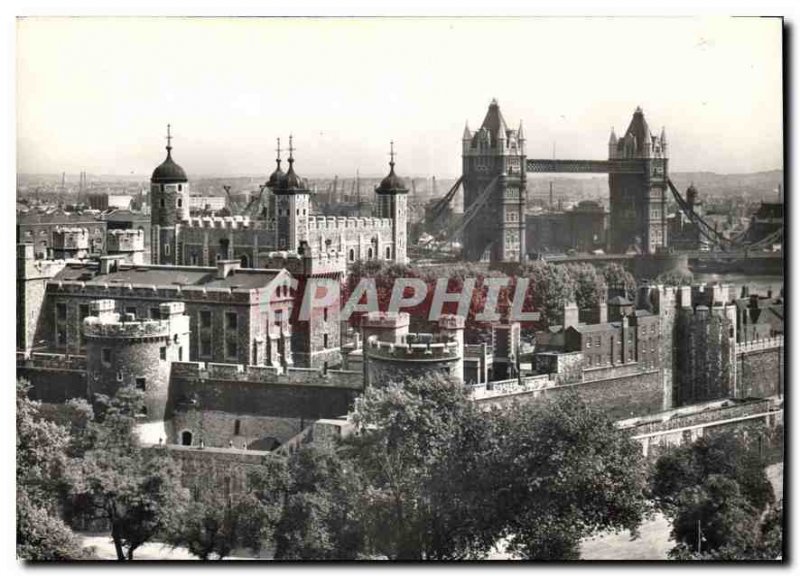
{"x":718,"y":496}
{"x":214,"y":525}
{"x":564,"y":472}
{"x":690,"y":465}
{"x":135,"y":490}
{"x":550,"y":287}
{"x":41,"y":445}
{"x":405,"y":454}
{"x":590,"y":287}
{"x":617,"y":277}
{"x":675,"y":278}
{"x":319,"y":518}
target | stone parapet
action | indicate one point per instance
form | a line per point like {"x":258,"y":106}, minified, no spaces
{"x":759,"y":345}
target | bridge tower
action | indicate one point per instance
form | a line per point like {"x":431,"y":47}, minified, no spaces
{"x":495,"y":152}
{"x":638,"y":217}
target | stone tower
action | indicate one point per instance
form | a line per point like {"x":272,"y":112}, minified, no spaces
{"x":494,"y":154}
{"x":122,"y":350}
{"x":292,"y":207}
{"x":638,"y":219}
{"x":169,"y":199}
{"x":392,"y":203}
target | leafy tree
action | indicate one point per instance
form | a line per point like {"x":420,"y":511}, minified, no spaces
{"x":41,"y":445}
{"x":549,"y":288}
{"x":564,"y":472}
{"x":319,"y":518}
{"x":213,"y":525}
{"x":690,"y":465}
{"x":42,"y":536}
{"x":617,"y":277}
{"x":135,"y":490}
{"x":675,"y":278}
{"x":405,"y":454}
{"x":590,"y":287}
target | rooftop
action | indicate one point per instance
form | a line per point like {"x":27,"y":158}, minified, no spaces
{"x":246,"y":279}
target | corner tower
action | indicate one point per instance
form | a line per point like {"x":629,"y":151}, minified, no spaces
{"x":292,"y":206}
{"x":392,"y":200}
{"x":169,"y":199}
{"x":638,"y":219}
{"x":494,"y":190}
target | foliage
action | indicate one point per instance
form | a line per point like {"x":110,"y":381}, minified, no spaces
{"x":617,"y":277}
{"x":565,"y":472}
{"x":136,"y":490}
{"x":41,"y":445}
{"x":675,"y":278}
{"x":213,"y":524}
{"x":411,"y":498}
{"x":42,"y":536}
{"x":590,"y":287}
{"x":716,"y":492}
{"x":549,"y":288}
{"x":319,"y":517}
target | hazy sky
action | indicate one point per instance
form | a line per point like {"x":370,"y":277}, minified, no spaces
{"x":96,"y":94}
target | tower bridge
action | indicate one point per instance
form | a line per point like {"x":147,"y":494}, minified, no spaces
{"x":494,"y":178}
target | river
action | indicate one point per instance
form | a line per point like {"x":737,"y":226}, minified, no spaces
{"x":757,"y":283}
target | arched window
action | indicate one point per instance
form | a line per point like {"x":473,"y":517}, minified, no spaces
{"x":245,"y":261}
{"x":352,"y":255}
{"x":388,"y":252}
{"x":369,"y":252}
{"x":186,"y":438}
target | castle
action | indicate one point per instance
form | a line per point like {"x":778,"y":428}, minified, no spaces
{"x":178,"y":239}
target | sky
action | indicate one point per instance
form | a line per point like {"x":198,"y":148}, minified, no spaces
{"x":96,"y":94}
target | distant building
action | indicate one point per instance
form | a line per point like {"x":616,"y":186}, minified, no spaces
{"x":583,"y":229}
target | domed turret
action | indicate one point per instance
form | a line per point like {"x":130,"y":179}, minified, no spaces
{"x":392,"y":184}
{"x":278,"y":175}
{"x":291,"y":183}
{"x":168,"y":172}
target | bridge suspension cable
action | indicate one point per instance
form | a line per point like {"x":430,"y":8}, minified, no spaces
{"x":438,"y":208}
{"x":704,"y":227}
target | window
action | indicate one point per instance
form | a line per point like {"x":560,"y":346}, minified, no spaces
{"x":351,"y":255}
{"x":369,"y":252}
{"x":205,"y":346}
{"x":155,"y":313}
{"x":388,"y":252}
{"x":324,"y":340}
{"x":230,"y":349}
{"x":231,"y":320}
{"x":589,"y":343}
{"x":61,"y":311}
{"x":119,"y":375}
{"x":163,"y":202}
{"x":180,"y":353}
{"x":166,"y":249}
{"x":180,"y":202}
{"x":324,"y":314}
{"x":105,"y":356}
{"x":186,"y":438}
{"x":162,"y":353}
{"x":205,"y":318}
{"x":141,"y":384}
{"x":278,"y":317}
{"x":180,"y":189}
{"x":237,"y":427}
{"x":130,"y":310}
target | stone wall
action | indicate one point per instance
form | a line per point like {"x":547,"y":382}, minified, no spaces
{"x":759,"y":374}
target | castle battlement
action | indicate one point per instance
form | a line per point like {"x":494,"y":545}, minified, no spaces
{"x":348,"y":223}
{"x":267,"y":374}
{"x":759,"y":345}
{"x":380,"y":319}
{"x":151,"y":291}
{"x":414,"y":347}
{"x":125,"y":240}
{"x":124,"y":326}
{"x":70,"y":238}
{"x":219,"y":222}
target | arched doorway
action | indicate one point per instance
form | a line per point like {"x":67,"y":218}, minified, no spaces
{"x":186,"y":438}
{"x":245,"y":261}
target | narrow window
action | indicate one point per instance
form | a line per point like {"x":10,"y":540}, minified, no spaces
{"x":141,"y":384}
{"x":231,"y":320}
{"x":324,"y":340}
{"x":205,"y":318}
{"x":237,"y":427}
{"x":230,"y":349}
{"x":61,"y":311}
{"x":105,"y":356}
{"x":162,"y":353}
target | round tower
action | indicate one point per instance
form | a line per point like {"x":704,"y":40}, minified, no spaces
{"x":169,"y":199}
{"x":122,"y":350}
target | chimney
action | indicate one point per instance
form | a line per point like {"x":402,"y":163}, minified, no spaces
{"x":571,"y":314}
{"x":225,"y":267}
{"x":109,"y":264}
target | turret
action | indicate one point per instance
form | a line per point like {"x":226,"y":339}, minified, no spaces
{"x":292,"y":206}
{"x":612,"y":144}
{"x":391,"y":196}
{"x":169,"y":199}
